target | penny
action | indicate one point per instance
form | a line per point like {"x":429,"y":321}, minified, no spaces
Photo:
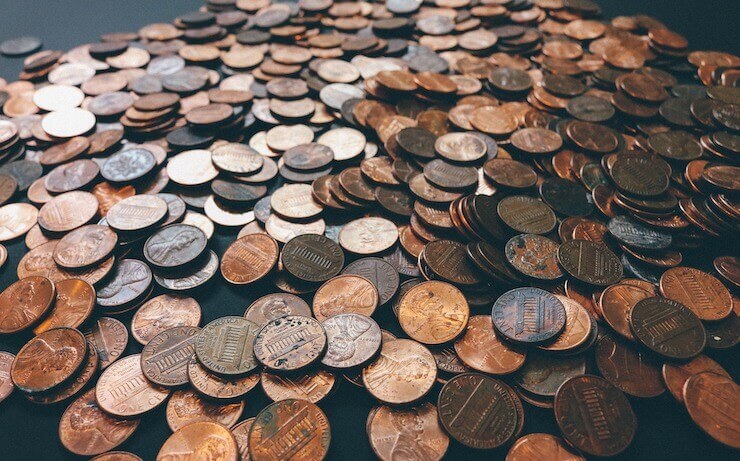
{"x":123,"y":390}
{"x":368,"y":235}
{"x":86,"y":430}
{"x":16,"y":219}
{"x":487,"y":426}
{"x":578,"y":324}
{"x":281,"y":418}
{"x":640,"y":175}
{"x":709,"y":398}
{"x":6,"y":383}
{"x":162,"y":313}
{"x":526,"y":214}
{"x":636,"y":235}
{"x":290,"y":343}
{"x":536,"y":141}
{"x":479,"y":348}
{"x":675,"y":375}
{"x":79,"y":381}
{"x":403,"y":373}
{"x":71,"y":176}
{"x":590,"y":262}
{"x":137,"y":213}
{"x":224,"y":346}
{"x":542,"y":315}
{"x":48,"y":360}
{"x":174,"y":246}
{"x":448,"y":259}
{"x":572,"y":414}
{"x":536,"y":446}
{"x":129,"y":282}
{"x":20,"y":46}
{"x":85,"y":246}
{"x":312,"y":258}
{"x":222,"y":388}
{"x":345,"y":294}
{"x":165,"y":357}
{"x":117,"y":456}
{"x":353,"y":340}
{"x":510,"y":173}
{"x":393,"y":431}
{"x":294,"y":201}
{"x":380,"y":273}
{"x":667,"y":328}
{"x":108,"y":337}
{"x":542,"y":375}
{"x":241,"y":434}
{"x":616,"y":302}
{"x":202,"y":437}
{"x":628,"y":368}
{"x":69,"y":150}
{"x":276,"y":305}
{"x":312,"y":386}
{"x":67,"y":211}
{"x":703,"y":293}
{"x":433,"y":312}
{"x":186,"y":407}
{"x":128,"y":165}
{"x":73,"y":305}
{"x":534,"y":256}
{"x":25,"y":302}
{"x":191,"y":168}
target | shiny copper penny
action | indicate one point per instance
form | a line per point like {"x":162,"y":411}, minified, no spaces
{"x":86,"y":430}
{"x":68,"y":211}
{"x":290,"y":343}
{"x":16,"y":219}
{"x":164,"y":312}
{"x":117,"y":456}
{"x":576,"y":415}
{"x":578,"y":324}
{"x":241,"y":434}
{"x":275,"y":305}
{"x":313,"y":386}
{"x":186,"y":407}
{"x":486,"y":407}
{"x":393,"y":431}
{"x":109,"y":338}
{"x":225,"y":345}
{"x":703,"y":293}
{"x":480,"y":349}
{"x":433,"y":312}
{"x":345,"y":294}
{"x":85,"y":246}
{"x":25,"y":302}
{"x":249,"y":259}
{"x":165,"y":357}
{"x":49,"y":360}
{"x":200,"y":438}
{"x":290,"y":429}
{"x":534,"y":256}
{"x":711,"y":400}
{"x":74,"y":386}
{"x":404,"y":372}
{"x":74,"y":303}
{"x":615,"y":304}
{"x":675,"y":375}
{"x":122,"y":389}
{"x":353,"y":340}
{"x":528,"y":315}
{"x":668,"y":328}
{"x":220,"y":387}
{"x":628,"y":368}
{"x":533,"y":447}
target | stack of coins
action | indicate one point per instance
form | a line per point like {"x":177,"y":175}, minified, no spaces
{"x":463,"y":210}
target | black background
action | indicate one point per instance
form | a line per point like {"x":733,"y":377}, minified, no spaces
{"x":29,"y":432}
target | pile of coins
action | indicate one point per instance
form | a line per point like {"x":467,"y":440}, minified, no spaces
{"x":462,"y":209}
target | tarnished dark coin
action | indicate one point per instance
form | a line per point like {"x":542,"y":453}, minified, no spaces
{"x":380,"y":273}
{"x":128,"y":165}
{"x":585,"y":402}
{"x":352,"y":340}
{"x":418,"y":142}
{"x":526,"y":214}
{"x":668,"y":328}
{"x":174,"y":246}
{"x":590,"y":262}
{"x":641,"y":175}
{"x":565,"y":197}
{"x":448,"y":259}
{"x":534,"y":256}
{"x":188,"y":281}
{"x":308,"y":157}
{"x":478,"y":411}
{"x":637,"y":235}
{"x":313,"y":258}
{"x":49,"y":360}
{"x":274,"y":306}
{"x":448,"y":176}
{"x":290,"y":343}
{"x":543,"y":374}
{"x":129,"y":283}
{"x":590,"y":108}
{"x":165,"y":357}
{"x":109,"y":337}
{"x":396,"y":201}
{"x":237,"y":193}
{"x":528,"y":315}
{"x":225,"y":346}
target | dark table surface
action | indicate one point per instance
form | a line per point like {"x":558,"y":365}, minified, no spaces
{"x":29,"y":431}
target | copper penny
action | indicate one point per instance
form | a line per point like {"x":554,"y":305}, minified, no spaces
{"x":109,"y":338}
{"x":460,"y":147}
{"x":345,"y":294}
{"x":628,"y":368}
{"x":353,"y":340}
{"x":162,"y":313}
{"x":510,"y":173}
{"x":480,"y":349}
{"x":274,"y":306}
{"x":225,"y":346}
{"x":533,"y":447}
{"x":16,"y":219}
{"x":667,"y":328}
{"x":186,"y":407}
{"x":49,"y":360}
{"x":433,"y":312}
{"x":710,"y":400}
{"x":108,"y":195}
{"x":289,"y":429}
{"x":703,"y":293}
{"x":313,"y":386}
{"x":86,"y":430}
{"x":123,"y":390}
{"x":225,"y":388}
{"x":68,"y":211}
{"x":85,"y":246}
{"x":380,"y":273}
{"x":6,"y":383}
{"x":616,"y":302}
{"x":74,"y":386}
{"x":136,"y":213}
{"x":165,"y":357}
{"x":394,"y":431}
{"x":675,"y":375}
{"x":249,"y":259}
{"x":25,"y":302}
{"x":404,"y":372}
{"x":368,"y":235}
{"x":241,"y":434}
{"x":578,"y":324}
{"x":290,"y":343}
{"x":534,"y":256}
{"x":200,"y":438}
{"x":528,"y":315}
{"x":74,"y":303}
{"x":526,"y":214}
{"x":117,"y":456}
{"x":70,"y":176}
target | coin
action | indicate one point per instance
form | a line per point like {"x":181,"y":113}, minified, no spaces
{"x":534,"y":256}
{"x":345,"y":294}
{"x":290,"y":343}
{"x":575,"y":421}
{"x":123,"y":390}
{"x":578,"y":325}
{"x":707,"y":396}
{"x":404,"y":372}
{"x":137,"y":213}
{"x":638,"y":236}
{"x":226,"y":388}
{"x":480,"y":349}
{"x":282,"y":418}
{"x":675,"y":375}
{"x":353,"y":340}
{"x":165,"y":357}
{"x":312,"y":258}
{"x":701,"y":292}
{"x":249,"y":259}
{"x":16,"y":220}
{"x":109,"y":337}
{"x":433,"y":312}
{"x":6,"y":383}
{"x":74,"y":303}
{"x":526,"y":214}
{"x":129,"y":283}
{"x":313,"y":386}
{"x":224,"y":346}
{"x":117,"y":456}
{"x":667,"y":328}
{"x":207,"y":437}
{"x":628,"y":368}
{"x":86,"y":430}
{"x":382,"y":274}
{"x":392,"y":430}
{"x":74,"y":386}
{"x":85,"y":247}
{"x":590,"y":262}
{"x":542,"y":375}
{"x":186,"y":407}
{"x":368,"y":235}
{"x":541,"y":446}
{"x":616,"y":302}
{"x":276,"y":305}
{"x":49,"y":359}
{"x":542,"y":315}
{"x":162,"y":313}
{"x":25,"y":302}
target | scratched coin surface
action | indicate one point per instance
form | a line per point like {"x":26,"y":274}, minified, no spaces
{"x":534,"y":256}
{"x":404,"y":372}
{"x":49,"y":359}
{"x":162,"y":313}
{"x":290,"y":343}
{"x":710,"y":400}
{"x":433,"y":312}
{"x":124,"y":391}
{"x":668,"y":328}
{"x":275,"y":305}
{"x":225,"y":345}
{"x":202,"y":438}
{"x":289,"y":429}
{"x":352,"y":340}
{"x":528,"y":315}
{"x":585,"y":402}
{"x":345,"y":293}
{"x":186,"y":407}
{"x":480,"y":349}
{"x":703,"y":293}
{"x":478,"y":411}
{"x":395,"y":431}
{"x":165,"y":357}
